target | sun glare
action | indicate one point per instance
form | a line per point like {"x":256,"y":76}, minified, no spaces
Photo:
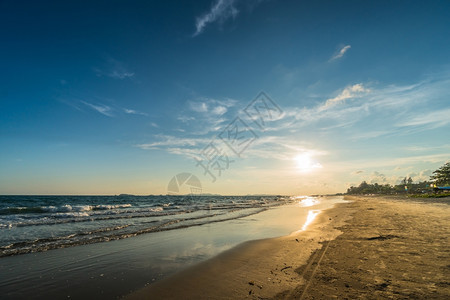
{"x":305,"y":163}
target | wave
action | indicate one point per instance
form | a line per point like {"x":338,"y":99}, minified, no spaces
{"x":39,"y":223}
{"x":114,"y":233}
{"x":62,"y":208}
{"x":52,"y":215}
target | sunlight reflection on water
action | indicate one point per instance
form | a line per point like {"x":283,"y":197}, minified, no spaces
{"x":308,"y":201}
{"x":312,"y":214}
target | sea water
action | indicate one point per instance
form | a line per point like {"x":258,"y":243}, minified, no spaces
{"x":105,"y":247}
{"x":39,"y":223}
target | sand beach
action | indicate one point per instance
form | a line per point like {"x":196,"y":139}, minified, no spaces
{"x":370,"y":248}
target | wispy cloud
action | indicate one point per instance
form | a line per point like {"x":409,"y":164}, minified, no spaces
{"x":111,"y":110}
{"x":353,"y":113}
{"x":340,"y":53}
{"x":394,"y":109}
{"x":120,"y":74}
{"x":206,"y":115}
{"x":445,"y":147}
{"x":267,"y":147}
{"x":101,"y":108}
{"x":188,"y":147}
{"x":429,"y":120}
{"x":219,"y":110}
{"x":173,"y":141}
{"x":134,"y":112}
{"x":216,"y":107}
{"x":198,"y":106}
{"x":281,"y":148}
{"x":116,"y":74}
{"x":185,"y":119}
{"x":349,"y":92}
{"x":113,"y":69}
{"x":221,"y":10}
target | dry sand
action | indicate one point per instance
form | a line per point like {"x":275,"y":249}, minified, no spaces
{"x":372,"y":248}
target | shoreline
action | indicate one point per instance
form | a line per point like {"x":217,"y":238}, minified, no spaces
{"x":372,"y":247}
{"x":118,"y":267}
{"x":258,"y":268}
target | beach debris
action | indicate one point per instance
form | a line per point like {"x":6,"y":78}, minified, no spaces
{"x":297,"y":240}
{"x":383,"y":286}
{"x":254,"y":284}
{"x":383,"y":237}
{"x":287,"y":267}
{"x":250,"y":292}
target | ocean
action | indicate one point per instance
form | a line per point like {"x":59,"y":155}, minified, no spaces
{"x":39,"y":223}
{"x":105,"y":247}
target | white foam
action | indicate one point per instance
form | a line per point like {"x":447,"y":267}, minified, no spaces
{"x":156,"y":209}
{"x":105,"y":206}
{"x":71,"y":214}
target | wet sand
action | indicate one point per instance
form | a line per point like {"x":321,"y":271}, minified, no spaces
{"x":372,"y":248}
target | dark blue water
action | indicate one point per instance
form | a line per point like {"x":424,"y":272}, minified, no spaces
{"x":39,"y":223}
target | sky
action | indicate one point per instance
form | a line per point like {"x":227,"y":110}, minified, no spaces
{"x":248,"y":96}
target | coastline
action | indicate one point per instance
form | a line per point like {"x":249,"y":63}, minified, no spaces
{"x":393,"y":247}
{"x":256,"y":269}
{"x":116,"y":268}
{"x":372,"y":247}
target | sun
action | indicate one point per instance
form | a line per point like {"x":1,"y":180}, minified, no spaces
{"x":305,"y":163}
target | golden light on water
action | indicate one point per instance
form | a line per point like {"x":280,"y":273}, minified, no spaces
{"x":308,"y":201}
{"x":312,"y":214}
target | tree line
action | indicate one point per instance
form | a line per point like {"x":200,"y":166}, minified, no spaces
{"x":440,"y":177}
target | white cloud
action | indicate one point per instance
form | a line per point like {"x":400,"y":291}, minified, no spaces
{"x":353,"y":91}
{"x":219,"y":110}
{"x":101,"y":108}
{"x":198,"y":106}
{"x":134,"y":112}
{"x":120,"y":74}
{"x":377,"y":177}
{"x":431,"y":120}
{"x":209,"y":114}
{"x":221,"y":10}
{"x":185,"y":119}
{"x":172,"y":141}
{"x":445,"y":147}
{"x":341,"y":52}
{"x":423,"y":175}
{"x":370,"y":134}
{"x":400,"y":109}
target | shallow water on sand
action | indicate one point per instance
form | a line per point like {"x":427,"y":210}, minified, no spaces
{"x":113,"y":269}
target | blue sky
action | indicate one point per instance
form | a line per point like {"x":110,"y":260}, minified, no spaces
{"x":109,"y":97}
